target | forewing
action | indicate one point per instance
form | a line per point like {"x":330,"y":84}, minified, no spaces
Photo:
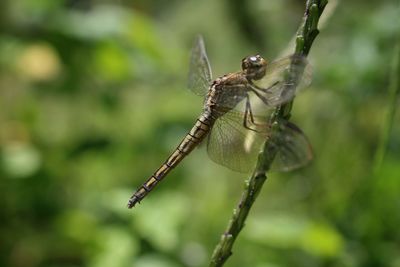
{"x":199,"y":69}
{"x":283,"y":79}
{"x":232,"y":145}
{"x":294,"y":149}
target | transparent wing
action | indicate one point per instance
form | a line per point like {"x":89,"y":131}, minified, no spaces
{"x":283,"y":79}
{"x":228,"y":144}
{"x":199,"y":69}
{"x":232,"y":145}
{"x":294,"y":149}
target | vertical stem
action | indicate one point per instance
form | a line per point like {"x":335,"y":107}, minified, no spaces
{"x":394,"y":90}
{"x":305,"y":36}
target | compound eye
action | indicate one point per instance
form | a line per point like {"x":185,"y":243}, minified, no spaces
{"x":254,"y":59}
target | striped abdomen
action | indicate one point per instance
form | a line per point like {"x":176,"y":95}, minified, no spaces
{"x":192,"y":139}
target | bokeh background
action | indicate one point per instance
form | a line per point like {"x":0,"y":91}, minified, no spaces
{"x":93,"y":98}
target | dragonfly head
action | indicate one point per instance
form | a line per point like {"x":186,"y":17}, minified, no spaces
{"x":254,"y":67}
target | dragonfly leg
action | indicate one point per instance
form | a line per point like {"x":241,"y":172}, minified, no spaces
{"x":265,"y":90}
{"x":249,"y":118}
{"x":264,"y":99}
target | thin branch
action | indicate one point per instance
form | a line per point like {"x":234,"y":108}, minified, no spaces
{"x":305,"y":36}
{"x":394,"y":92}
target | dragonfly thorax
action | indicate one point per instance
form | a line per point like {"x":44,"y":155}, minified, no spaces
{"x":225,"y":93}
{"x":254,"y":67}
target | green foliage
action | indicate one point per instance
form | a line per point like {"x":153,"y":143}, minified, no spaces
{"x":92,"y":100}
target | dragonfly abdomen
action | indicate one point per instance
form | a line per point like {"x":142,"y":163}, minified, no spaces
{"x":191,"y":140}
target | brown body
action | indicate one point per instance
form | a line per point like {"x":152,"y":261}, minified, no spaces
{"x":222,"y":96}
{"x":225,"y":91}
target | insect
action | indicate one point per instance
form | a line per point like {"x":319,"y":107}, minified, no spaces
{"x":234,"y":122}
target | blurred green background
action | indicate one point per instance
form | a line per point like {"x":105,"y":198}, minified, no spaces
{"x":93,"y":99}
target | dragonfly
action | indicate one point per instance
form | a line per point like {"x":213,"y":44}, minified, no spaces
{"x":234,"y":123}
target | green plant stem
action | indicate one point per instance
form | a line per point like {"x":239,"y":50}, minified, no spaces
{"x":305,"y":36}
{"x":394,"y":91}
